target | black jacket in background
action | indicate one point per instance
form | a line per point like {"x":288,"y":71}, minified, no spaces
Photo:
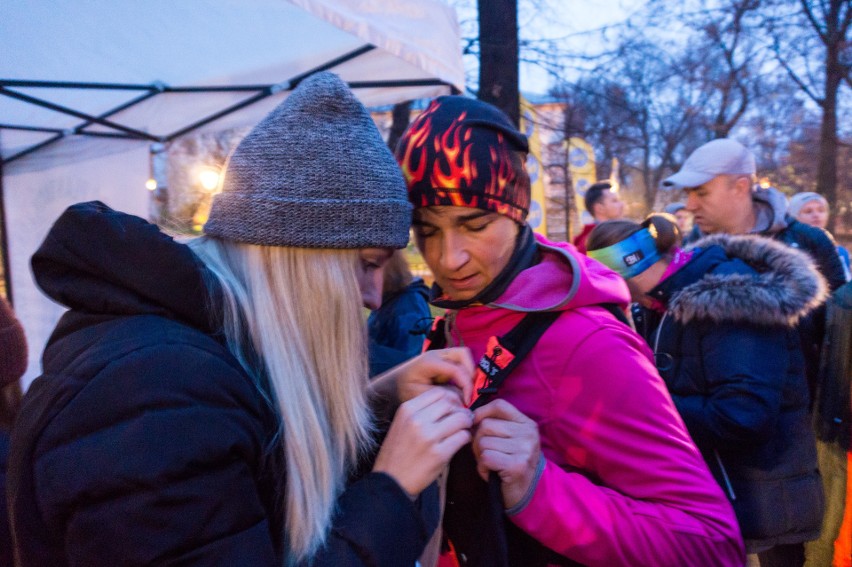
{"x":144,"y":442}
{"x":729,"y":354}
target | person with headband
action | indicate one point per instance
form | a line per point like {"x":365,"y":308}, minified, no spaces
{"x":590,"y":461}
{"x":720,"y":317}
{"x":207,"y":402}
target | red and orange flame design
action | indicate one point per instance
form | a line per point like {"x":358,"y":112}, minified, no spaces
{"x":462,"y":165}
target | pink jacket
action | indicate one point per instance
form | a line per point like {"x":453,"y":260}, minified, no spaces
{"x":623,"y":483}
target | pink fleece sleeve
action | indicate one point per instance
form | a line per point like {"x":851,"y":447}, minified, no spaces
{"x":630,"y":488}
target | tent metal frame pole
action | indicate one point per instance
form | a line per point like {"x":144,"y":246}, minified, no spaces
{"x":294,"y":81}
{"x":73,"y":85}
{"x":269,"y":90}
{"x":128,"y":87}
{"x":78,"y":129}
{"x":132,"y":102}
{"x":65,"y":110}
{"x":399,"y":83}
{"x":30,"y":128}
{"x":217,"y":115}
{"x":32,"y":149}
{"x":263,"y":91}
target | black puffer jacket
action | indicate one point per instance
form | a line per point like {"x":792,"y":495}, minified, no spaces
{"x":144,"y":442}
{"x":729,"y":354}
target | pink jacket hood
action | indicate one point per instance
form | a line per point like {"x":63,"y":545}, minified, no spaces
{"x":564,"y":279}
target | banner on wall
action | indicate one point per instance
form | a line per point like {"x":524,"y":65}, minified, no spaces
{"x":537,"y":218}
{"x":581,"y":166}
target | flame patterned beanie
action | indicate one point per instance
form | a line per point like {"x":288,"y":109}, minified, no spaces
{"x":315,"y":173}
{"x":464,"y":152}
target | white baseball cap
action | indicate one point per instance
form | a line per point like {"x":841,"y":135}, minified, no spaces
{"x":718,"y":157}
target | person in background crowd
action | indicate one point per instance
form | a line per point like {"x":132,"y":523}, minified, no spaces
{"x":13,"y":364}
{"x":833,"y":424}
{"x":684,"y":217}
{"x":812,"y":208}
{"x":719,"y":180}
{"x":603,"y":204}
{"x":594,"y":465}
{"x":397,"y":328}
{"x":726,"y":346}
{"x":205,"y":403}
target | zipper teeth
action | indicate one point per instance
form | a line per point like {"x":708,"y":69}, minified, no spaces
{"x":725,"y":476}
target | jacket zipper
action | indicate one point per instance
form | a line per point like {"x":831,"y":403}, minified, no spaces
{"x":725,"y":477}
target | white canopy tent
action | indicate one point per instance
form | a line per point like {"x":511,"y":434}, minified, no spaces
{"x":86,"y":88}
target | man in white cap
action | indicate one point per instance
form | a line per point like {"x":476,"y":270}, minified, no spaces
{"x":719,"y":180}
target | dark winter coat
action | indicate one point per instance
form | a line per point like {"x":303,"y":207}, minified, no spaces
{"x":398,"y":328}
{"x":832,"y":409}
{"x":729,"y":354}
{"x":144,"y":442}
{"x":774,"y":222}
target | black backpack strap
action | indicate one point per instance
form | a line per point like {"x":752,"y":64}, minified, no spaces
{"x":480,"y":529}
{"x":503,"y":354}
{"x":616,"y":312}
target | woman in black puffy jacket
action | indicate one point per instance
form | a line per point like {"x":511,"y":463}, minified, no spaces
{"x":720,"y":317}
{"x":207,"y":402}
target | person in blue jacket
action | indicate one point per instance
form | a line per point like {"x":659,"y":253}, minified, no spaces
{"x":721,"y":319}
{"x":399,"y":326}
{"x":207,"y":402}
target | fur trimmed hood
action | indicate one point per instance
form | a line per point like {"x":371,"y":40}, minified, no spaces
{"x":782,"y":286}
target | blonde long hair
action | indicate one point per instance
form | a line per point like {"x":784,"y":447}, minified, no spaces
{"x":292,"y":316}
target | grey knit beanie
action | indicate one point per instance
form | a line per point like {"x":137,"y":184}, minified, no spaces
{"x":314,"y":173}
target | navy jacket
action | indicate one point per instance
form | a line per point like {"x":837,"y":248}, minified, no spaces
{"x":729,"y":353}
{"x":398,"y":328}
{"x":144,"y":441}
{"x":771,"y":208}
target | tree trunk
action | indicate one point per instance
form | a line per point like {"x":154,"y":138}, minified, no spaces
{"x":498,"y":60}
{"x":400,"y":119}
{"x":827,"y":165}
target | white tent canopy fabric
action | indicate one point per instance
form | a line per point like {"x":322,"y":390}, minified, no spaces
{"x":87,"y":88}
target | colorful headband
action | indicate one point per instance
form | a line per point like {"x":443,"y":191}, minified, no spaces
{"x":631,"y":256}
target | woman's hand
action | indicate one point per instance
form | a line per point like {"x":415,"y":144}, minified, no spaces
{"x":507,"y":442}
{"x":451,"y":366}
{"x":424,"y":435}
